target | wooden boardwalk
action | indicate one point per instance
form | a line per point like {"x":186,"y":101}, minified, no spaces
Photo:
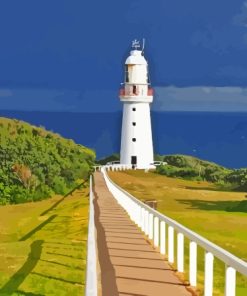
{"x":128,"y":264}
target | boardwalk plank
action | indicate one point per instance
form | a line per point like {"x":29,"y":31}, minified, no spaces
{"x":129,"y":265}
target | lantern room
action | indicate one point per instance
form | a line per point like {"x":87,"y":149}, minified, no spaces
{"x":136,"y":81}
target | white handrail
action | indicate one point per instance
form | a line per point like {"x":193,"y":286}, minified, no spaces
{"x":91,"y":270}
{"x":133,"y":205}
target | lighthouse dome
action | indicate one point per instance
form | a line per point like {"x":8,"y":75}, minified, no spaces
{"x":136,"y":58}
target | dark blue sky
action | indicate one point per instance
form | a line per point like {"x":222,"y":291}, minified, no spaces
{"x":69,"y":55}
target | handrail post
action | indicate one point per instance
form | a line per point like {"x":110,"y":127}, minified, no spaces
{"x":146,"y":222}
{"x":151,"y":226}
{"x":193,"y":264}
{"x":143,"y":219}
{"x":162,"y":237}
{"x":170,"y":244}
{"x":137,"y":214}
{"x":208,"y":274}
{"x":156,"y":231}
{"x":140,"y":216}
{"x":180,"y":252}
{"x":132,"y":210}
{"x":230,"y":281}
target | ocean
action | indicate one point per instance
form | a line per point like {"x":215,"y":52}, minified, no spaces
{"x":213,"y":136}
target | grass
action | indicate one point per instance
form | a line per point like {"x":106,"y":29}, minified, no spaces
{"x":218,"y":216}
{"x":43,"y":246}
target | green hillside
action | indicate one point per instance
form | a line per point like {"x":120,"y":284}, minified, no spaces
{"x":189,"y":167}
{"x":36,"y":164}
{"x":112,"y":157}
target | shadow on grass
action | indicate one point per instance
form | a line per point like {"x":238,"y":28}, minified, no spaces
{"x":79,"y":243}
{"x":17,"y":279}
{"x":215,"y":188}
{"x":62,"y":199}
{"x":61,"y":264}
{"x":22,"y":293}
{"x":227,"y":206}
{"x":40,"y":226}
{"x":64,"y":255}
{"x":57,"y":279}
{"x":208,"y":188}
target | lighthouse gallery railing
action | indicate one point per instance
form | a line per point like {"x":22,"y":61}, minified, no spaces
{"x":153,"y":224}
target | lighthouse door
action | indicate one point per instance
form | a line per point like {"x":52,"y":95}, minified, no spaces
{"x":133,"y":160}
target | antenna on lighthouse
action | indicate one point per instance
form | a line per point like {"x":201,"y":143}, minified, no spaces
{"x":143,"y":45}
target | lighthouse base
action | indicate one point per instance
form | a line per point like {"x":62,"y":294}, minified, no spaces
{"x":136,"y":140}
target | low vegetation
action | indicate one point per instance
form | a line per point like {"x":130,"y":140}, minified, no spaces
{"x":36,"y":164}
{"x":43,"y":246}
{"x":219,"y":216}
{"x":192,"y":168}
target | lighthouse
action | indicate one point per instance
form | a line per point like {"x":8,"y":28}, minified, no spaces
{"x":136,"y":95}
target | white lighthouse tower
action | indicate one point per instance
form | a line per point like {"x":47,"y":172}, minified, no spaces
{"x":136,"y":138}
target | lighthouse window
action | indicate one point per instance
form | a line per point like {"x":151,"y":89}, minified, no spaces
{"x":133,"y":139}
{"x":134,"y":123}
{"x":126,"y":74}
{"x":133,"y":109}
{"x":134,"y":90}
{"x":148,"y":77}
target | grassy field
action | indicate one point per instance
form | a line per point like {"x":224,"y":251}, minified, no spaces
{"x":43,"y":246}
{"x":219,"y":216}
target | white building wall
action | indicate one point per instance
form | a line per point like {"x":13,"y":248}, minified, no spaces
{"x":142,"y":148}
{"x":136,"y":95}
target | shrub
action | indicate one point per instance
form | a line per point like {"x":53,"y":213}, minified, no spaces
{"x":34,"y":163}
{"x":42,"y":192}
{"x":189,"y":167}
{"x":59,"y":185}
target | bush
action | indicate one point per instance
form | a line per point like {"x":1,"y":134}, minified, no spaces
{"x":172,"y":171}
{"x":20,"y":195}
{"x":59,"y":185}
{"x":42,"y":192}
{"x":34,"y":163}
{"x":5,"y":194}
{"x":238,"y":177}
{"x":189,"y":167}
